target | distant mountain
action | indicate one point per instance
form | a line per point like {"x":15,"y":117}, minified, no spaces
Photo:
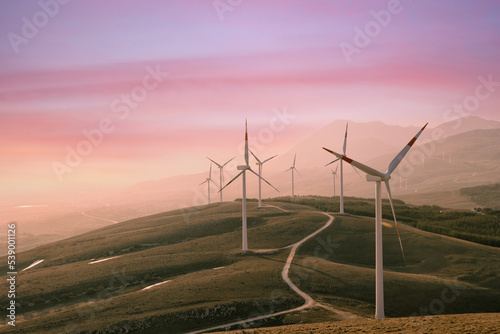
{"x":463,"y":125}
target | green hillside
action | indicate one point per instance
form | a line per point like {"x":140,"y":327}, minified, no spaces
{"x":486,"y":196}
{"x":207,"y":281}
{"x":481,"y":226}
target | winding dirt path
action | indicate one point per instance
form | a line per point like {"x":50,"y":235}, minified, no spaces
{"x":309,"y":301}
{"x":94,"y":217}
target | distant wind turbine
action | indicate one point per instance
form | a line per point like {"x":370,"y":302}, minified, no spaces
{"x":293,"y":169}
{"x":221,"y":172}
{"x":243,"y":169}
{"x":373,"y":175}
{"x":207,"y":181}
{"x":341,"y":172}
{"x":260,"y":163}
{"x":334,"y":177}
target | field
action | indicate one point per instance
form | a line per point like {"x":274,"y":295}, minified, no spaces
{"x":207,"y":281}
{"x":481,"y":225}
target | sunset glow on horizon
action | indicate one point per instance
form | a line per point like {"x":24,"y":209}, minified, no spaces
{"x":156,"y":86}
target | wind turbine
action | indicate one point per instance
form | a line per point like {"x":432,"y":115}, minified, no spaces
{"x":243,"y":169}
{"x":207,"y":181}
{"x":221,"y":172}
{"x":341,"y":172}
{"x":373,"y":175}
{"x":260,"y":163}
{"x":293,"y":169}
{"x":334,"y":177}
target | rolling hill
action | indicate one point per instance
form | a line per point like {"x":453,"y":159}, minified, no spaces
{"x":183,"y":271}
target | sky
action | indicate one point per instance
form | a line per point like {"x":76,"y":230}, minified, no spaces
{"x":97,"y":95}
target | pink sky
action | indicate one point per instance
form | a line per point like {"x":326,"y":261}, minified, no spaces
{"x":263,"y":56}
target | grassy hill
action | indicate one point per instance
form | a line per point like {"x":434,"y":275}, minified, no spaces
{"x":481,"y":226}
{"x":207,"y":281}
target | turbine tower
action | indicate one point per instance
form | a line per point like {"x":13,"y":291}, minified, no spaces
{"x":334,"y":177}
{"x":293,"y":169}
{"x":260,"y":163}
{"x":341,"y":172}
{"x":207,"y":181}
{"x":221,"y":172}
{"x":373,"y":175}
{"x":244,"y":168}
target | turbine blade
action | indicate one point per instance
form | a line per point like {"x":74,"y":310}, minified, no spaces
{"x":246,"y":143}
{"x":345,"y":138}
{"x":395,"y":162}
{"x":359,"y":165}
{"x":286,"y":170}
{"x":255,"y":157}
{"x":356,"y":171}
{"x":228,"y":161}
{"x":210,"y":173}
{"x":234,"y":178}
{"x":214,"y":183}
{"x":395,"y":221}
{"x":269,"y":159}
{"x":295,"y":157}
{"x":203,"y":183}
{"x":215,"y":162}
{"x":336,"y":169}
{"x":297,"y":171}
{"x":263,"y":179}
{"x":332,"y":162}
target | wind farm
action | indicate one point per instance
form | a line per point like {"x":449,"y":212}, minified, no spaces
{"x":372,"y":175}
{"x":221,"y":174}
{"x":112,"y":111}
{"x":293,"y":170}
{"x":341,"y":172}
{"x":207,"y":181}
{"x":260,"y":164}
{"x":243,"y":169}
{"x":291,"y":230}
{"x":334,"y":173}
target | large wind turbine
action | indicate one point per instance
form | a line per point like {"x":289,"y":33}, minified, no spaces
{"x":260,"y":163}
{"x":373,"y":175}
{"x":221,"y":172}
{"x":341,"y":172}
{"x":334,"y":172}
{"x":243,"y":169}
{"x":207,"y":181}
{"x":293,"y":169}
